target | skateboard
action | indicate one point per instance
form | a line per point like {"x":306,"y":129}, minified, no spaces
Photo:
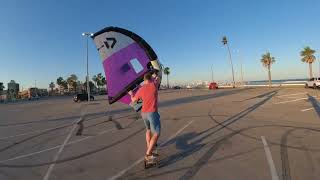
{"x":152,"y":161}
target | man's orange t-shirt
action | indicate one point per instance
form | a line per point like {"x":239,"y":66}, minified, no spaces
{"x":149,"y":95}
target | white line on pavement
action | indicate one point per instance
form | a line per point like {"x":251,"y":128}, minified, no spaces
{"x":56,"y":147}
{"x":303,"y":110}
{"x":292,"y":94}
{"x":273,"y":170}
{"x":48,"y":173}
{"x":36,"y":131}
{"x":121,"y":173}
{"x":283,"y":102}
{"x":56,"y":157}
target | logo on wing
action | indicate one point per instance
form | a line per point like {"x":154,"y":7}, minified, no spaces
{"x":109,"y":43}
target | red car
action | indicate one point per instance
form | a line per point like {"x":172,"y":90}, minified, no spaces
{"x":213,"y":85}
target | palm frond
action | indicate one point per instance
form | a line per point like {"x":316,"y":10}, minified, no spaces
{"x":267,"y":59}
{"x":307,"y":55}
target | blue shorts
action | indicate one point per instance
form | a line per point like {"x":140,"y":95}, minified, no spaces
{"x":152,"y":121}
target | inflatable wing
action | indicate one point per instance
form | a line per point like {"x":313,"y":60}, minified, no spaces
{"x":126,"y":57}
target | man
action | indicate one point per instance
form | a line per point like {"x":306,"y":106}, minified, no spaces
{"x":148,"y":93}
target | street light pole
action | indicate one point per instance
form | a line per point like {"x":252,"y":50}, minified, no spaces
{"x":240,"y":59}
{"x":234,"y":84}
{"x":319,"y":65}
{"x":225,"y":42}
{"x":241,"y":74}
{"x":87,"y":34}
{"x":211,"y":73}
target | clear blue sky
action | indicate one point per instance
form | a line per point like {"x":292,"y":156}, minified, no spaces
{"x":41,"y":39}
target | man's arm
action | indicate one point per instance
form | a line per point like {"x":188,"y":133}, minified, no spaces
{"x":156,"y":79}
{"x":133,"y":98}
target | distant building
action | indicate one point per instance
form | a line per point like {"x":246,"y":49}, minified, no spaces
{"x":13,"y":90}
{"x":32,"y":93}
{"x":1,"y":88}
{"x":43,"y":92}
{"x":3,"y":95}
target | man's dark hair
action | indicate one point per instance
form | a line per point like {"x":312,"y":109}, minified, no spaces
{"x":147,"y":76}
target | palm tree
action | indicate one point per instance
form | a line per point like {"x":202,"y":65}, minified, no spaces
{"x":72,"y":82}
{"x":103,"y":81}
{"x":91,"y":86}
{"x":60,"y":83}
{"x":95,"y":79}
{"x":52,"y":86}
{"x":99,"y":81}
{"x":266,"y":61}
{"x":74,"y":77}
{"x":166,"y":71}
{"x":225,"y":42}
{"x":307,"y":55}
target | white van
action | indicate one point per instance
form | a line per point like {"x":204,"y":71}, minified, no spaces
{"x":313,"y":82}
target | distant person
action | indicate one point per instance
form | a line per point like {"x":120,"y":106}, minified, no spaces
{"x":148,"y":93}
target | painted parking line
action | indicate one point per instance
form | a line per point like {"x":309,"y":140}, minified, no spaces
{"x":56,"y":147}
{"x":65,"y":142}
{"x":36,"y":131}
{"x":272,"y":167}
{"x":121,"y":173}
{"x":292,"y":94}
{"x":308,"y":109}
{"x":294,"y":100}
{"x":48,"y":173}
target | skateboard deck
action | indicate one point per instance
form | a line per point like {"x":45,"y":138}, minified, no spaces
{"x":152,"y":161}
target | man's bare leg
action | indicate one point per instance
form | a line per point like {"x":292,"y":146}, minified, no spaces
{"x":148,"y":138}
{"x":153,"y":141}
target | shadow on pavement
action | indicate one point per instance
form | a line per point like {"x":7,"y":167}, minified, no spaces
{"x":186,"y":149}
{"x":314,"y":103}
{"x":77,"y":156}
{"x":259,"y":96}
{"x":174,"y":102}
{"x":32,"y":137}
{"x":193,"y":169}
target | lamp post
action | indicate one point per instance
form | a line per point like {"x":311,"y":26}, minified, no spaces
{"x":241,"y":63}
{"x":319,"y":65}
{"x":211,"y":73}
{"x":87,"y":34}
{"x":225,"y":42}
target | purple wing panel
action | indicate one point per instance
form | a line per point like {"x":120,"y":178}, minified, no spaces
{"x":120,"y":71}
{"x":126,"y":57}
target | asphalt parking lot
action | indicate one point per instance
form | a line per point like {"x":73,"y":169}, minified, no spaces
{"x":249,"y":133}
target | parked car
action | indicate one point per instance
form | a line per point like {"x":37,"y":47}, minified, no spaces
{"x":176,"y":87}
{"x":82,"y":97}
{"x":313,"y":82}
{"x":213,"y":85}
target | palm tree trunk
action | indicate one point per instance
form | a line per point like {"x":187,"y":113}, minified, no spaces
{"x":310,"y":70}
{"x":168,"y":81}
{"x":269,"y":75}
